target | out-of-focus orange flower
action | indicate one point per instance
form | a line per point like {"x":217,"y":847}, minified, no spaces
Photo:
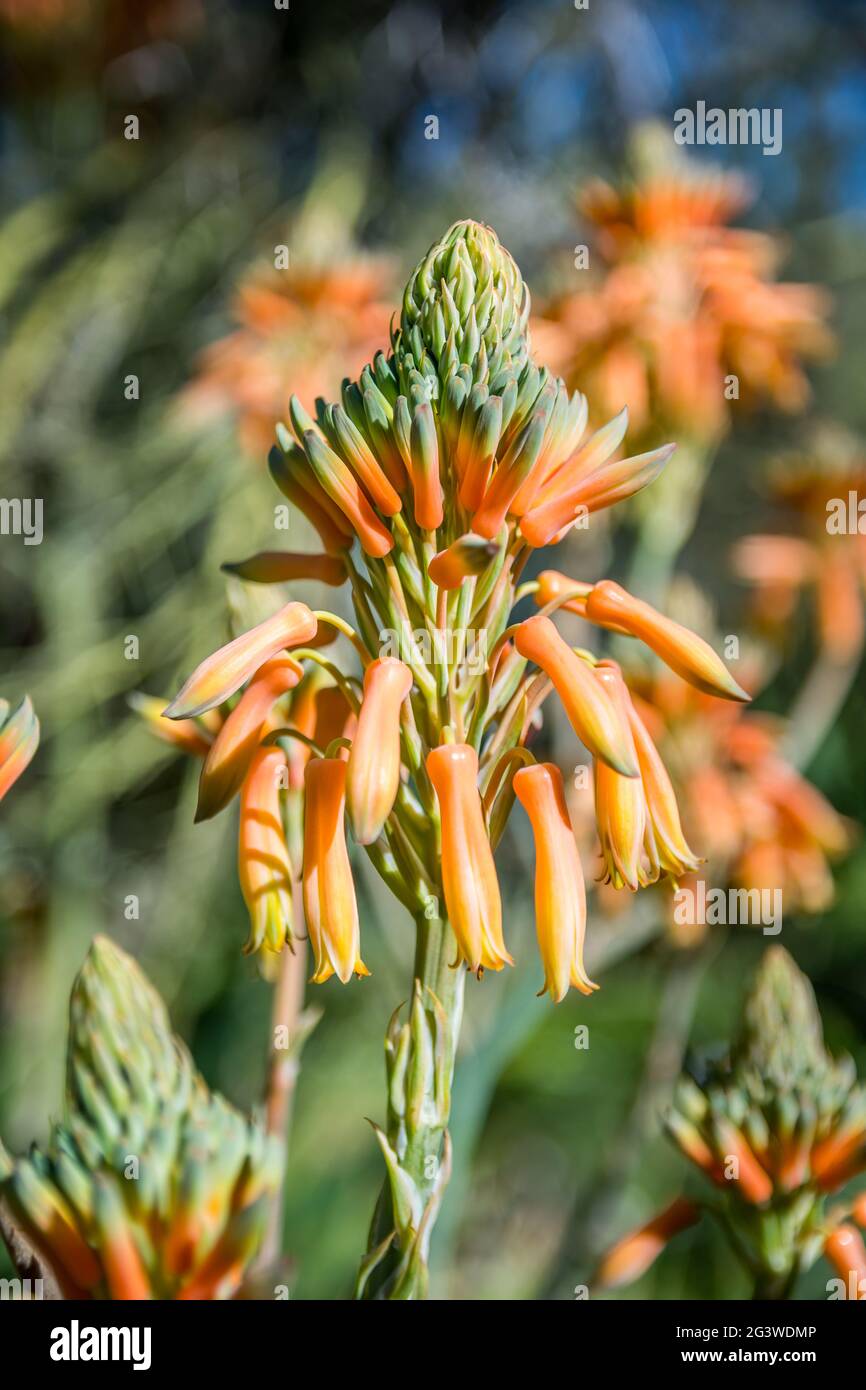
{"x":823,"y":486}
{"x":469,"y":877}
{"x":330,"y":906}
{"x":303,"y":330}
{"x":632,"y":1256}
{"x":374,"y":760}
{"x":19,"y":739}
{"x":685,"y":302}
{"x":560,"y":899}
{"x":760,"y":823}
{"x":846,"y":1252}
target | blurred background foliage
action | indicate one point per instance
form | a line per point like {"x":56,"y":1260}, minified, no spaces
{"x":120,"y":257}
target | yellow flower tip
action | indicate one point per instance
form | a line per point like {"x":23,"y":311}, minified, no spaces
{"x":373,"y":777}
{"x":665,"y":842}
{"x":330,"y":906}
{"x":264,"y":866}
{"x":19,"y":739}
{"x":284,"y":567}
{"x":469,"y":880}
{"x":220,"y":675}
{"x":592,"y":714}
{"x":467,"y":556}
{"x":229,"y":756}
{"x":560,"y":896}
{"x":186,"y":734}
{"x":620,"y":809}
{"x":635,"y":1253}
{"x":609,"y":605}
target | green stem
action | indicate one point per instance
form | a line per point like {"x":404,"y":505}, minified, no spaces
{"x":421,"y":1056}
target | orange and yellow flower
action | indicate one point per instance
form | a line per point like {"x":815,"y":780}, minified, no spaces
{"x":560,"y":898}
{"x":469,"y":877}
{"x":330,"y":906}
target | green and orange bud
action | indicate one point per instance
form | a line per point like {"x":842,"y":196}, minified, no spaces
{"x":609,"y":605}
{"x":632,"y":1256}
{"x":340,"y":484}
{"x":547,"y":522}
{"x":776,"y":1125}
{"x":150,"y":1181}
{"x":513,"y":470}
{"x":373,"y":777}
{"x":285,"y":566}
{"x":479,"y":451}
{"x":330,"y":906}
{"x":19,"y":739}
{"x":466,"y":557}
{"x":220,"y":675}
{"x":466,"y":300}
{"x":620,"y":805}
{"x":290,"y":471}
{"x":230,"y":754}
{"x":189,"y":735}
{"x":593,"y":715}
{"x":424,"y":469}
{"x":560,"y":897}
{"x":469,"y":879}
{"x":264,"y":867}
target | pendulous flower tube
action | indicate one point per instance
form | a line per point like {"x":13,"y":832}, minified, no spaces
{"x":330,"y":907}
{"x":264,"y":867}
{"x":560,"y":897}
{"x":373,"y":776}
{"x":468,"y":873}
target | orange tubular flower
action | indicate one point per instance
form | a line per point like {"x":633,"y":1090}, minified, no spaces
{"x":373,"y":777}
{"x":329,"y":891}
{"x":690,"y":656}
{"x":229,"y":756}
{"x":19,"y":739}
{"x":264,"y":867}
{"x":632,"y":1256}
{"x":592,"y":714}
{"x":220,"y":675}
{"x":846,"y":1252}
{"x":560,"y":899}
{"x":669,"y":847}
{"x":468,"y":873}
{"x":282,"y":566}
{"x":620,"y":805}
